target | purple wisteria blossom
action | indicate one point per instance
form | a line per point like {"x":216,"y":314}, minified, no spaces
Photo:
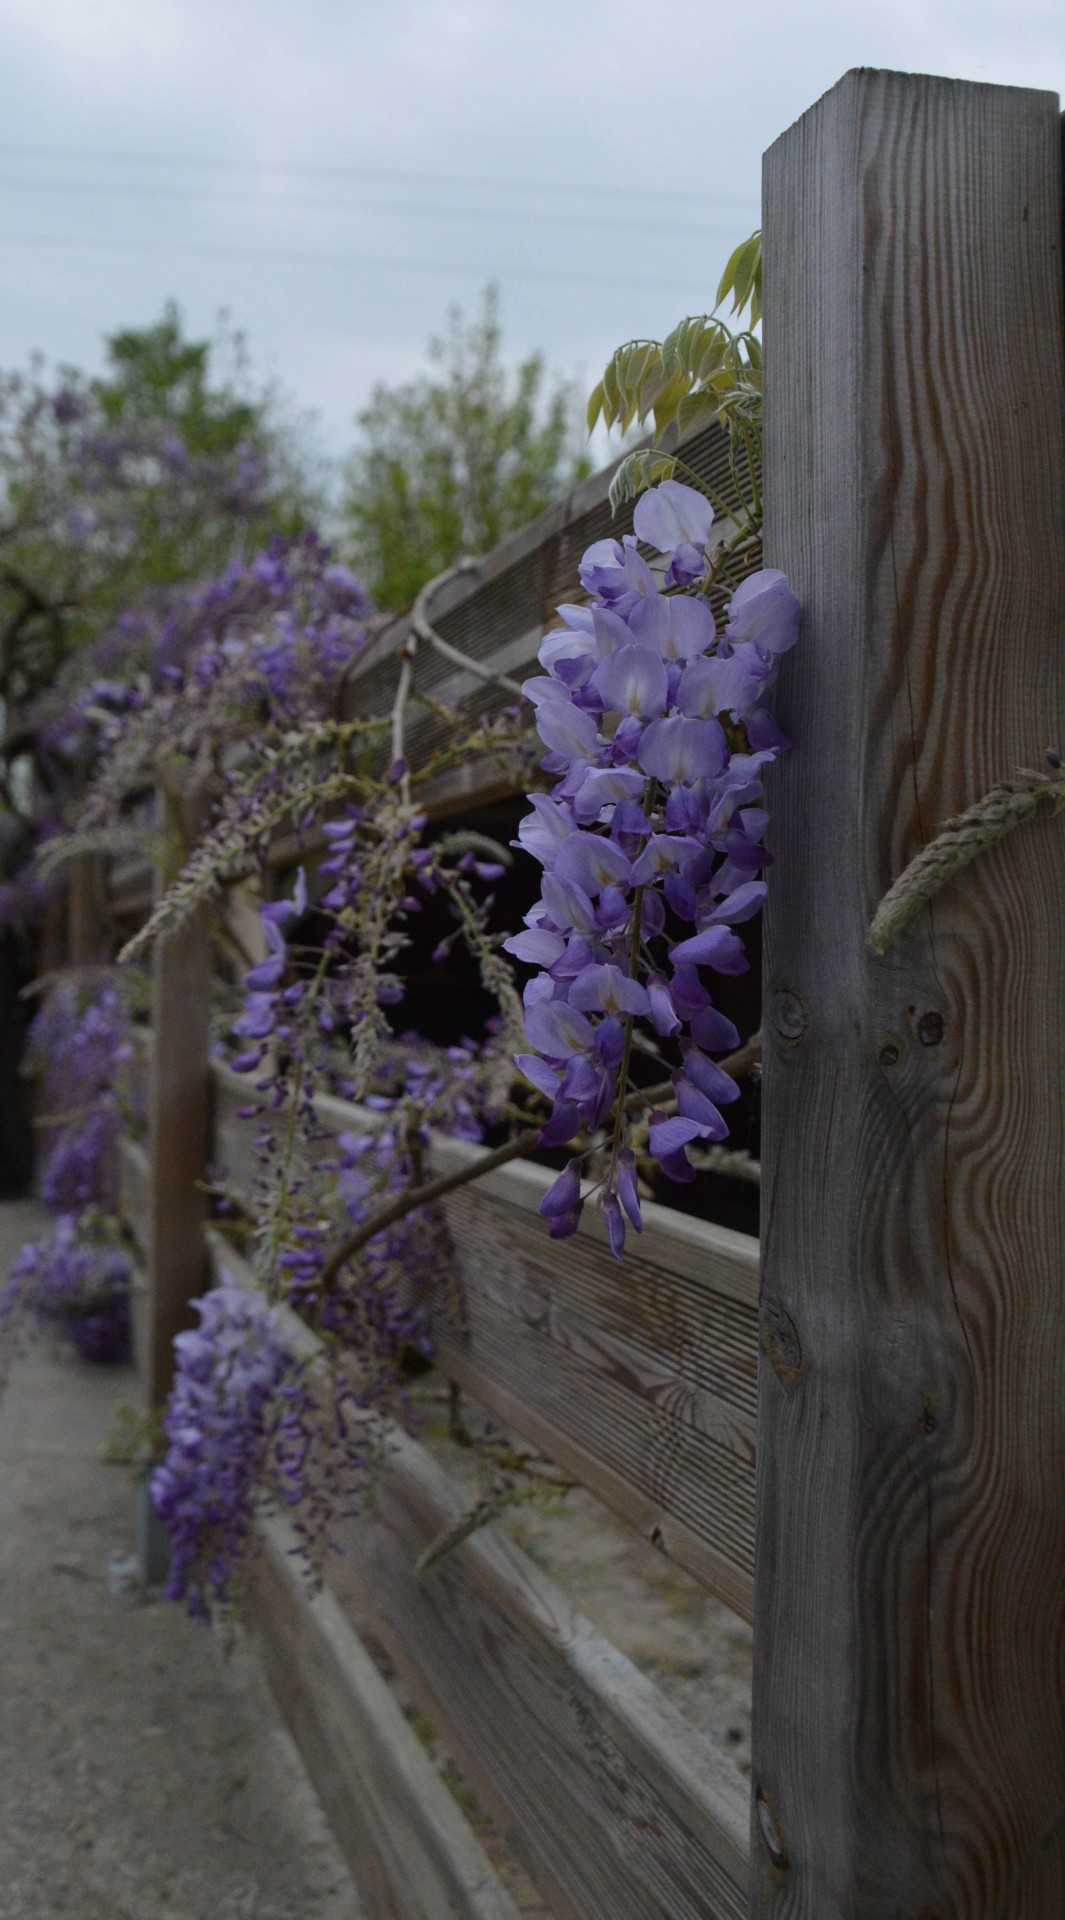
{"x":77,"y":1277}
{"x":228,"y":1408}
{"x":655,"y":819}
{"x":77,"y":1280}
{"x":80,"y":1041}
{"x":247,"y":1430}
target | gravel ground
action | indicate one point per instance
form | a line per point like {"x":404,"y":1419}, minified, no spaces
{"x":145,"y":1775}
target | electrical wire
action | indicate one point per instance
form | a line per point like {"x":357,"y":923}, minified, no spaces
{"x":167,"y":248}
{"x":617,"y":190}
{"x":152,"y":190}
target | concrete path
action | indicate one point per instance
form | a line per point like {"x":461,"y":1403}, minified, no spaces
{"x":143,"y":1776}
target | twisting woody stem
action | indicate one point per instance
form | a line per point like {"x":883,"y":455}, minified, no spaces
{"x":739,"y":1062}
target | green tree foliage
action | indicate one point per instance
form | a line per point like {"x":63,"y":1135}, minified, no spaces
{"x":158,"y":471}
{"x":702,"y":371}
{"x":452,"y":462}
{"x":154,"y":376}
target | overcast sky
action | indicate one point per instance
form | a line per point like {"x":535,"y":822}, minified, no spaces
{"x":336,"y":173}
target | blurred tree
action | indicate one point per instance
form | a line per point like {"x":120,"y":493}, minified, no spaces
{"x":158,"y":471}
{"x":453,"y":461}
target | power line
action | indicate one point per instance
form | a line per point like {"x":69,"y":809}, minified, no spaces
{"x":617,"y":190}
{"x":557,"y":275}
{"x":151,"y":190}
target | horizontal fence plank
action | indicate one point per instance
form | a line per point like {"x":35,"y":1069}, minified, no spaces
{"x":410,"y":1849}
{"x":638,"y":1377}
{"x":620,"y":1809}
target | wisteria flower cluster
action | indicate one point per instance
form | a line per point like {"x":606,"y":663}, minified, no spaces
{"x":245,"y":1431}
{"x":657,"y":731}
{"x":224,"y":1411}
{"x":80,"y":1041}
{"x":260,"y":648}
{"x":76,"y":1279}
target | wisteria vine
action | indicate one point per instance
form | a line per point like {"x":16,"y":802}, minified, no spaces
{"x":655,"y":730}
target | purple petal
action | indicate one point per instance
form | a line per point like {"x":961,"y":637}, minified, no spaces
{"x":717,"y":685}
{"x":671,"y":515}
{"x":565,"y":729}
{"x":680,"y":751}
{"x":557,"y":1030}
{"x":663,"y":1013}
{"x":691,"y":627}
{"x":543,"y":831}
{"x":592,"y":861}
{"x":564,"y":1224}
{"x":716,"y":947}
{"x":563,"y":1196}
{"x":544,"y":1078}
{"x":536,"y":946}
{"x":764,"y":733}
{"x":564,"y":646}
{"x":633,"y":680}
{"x":266,"y":975}
{"x":713,"y":1030}
{"x":669,"y":1136}
{"x":709,"y":1078}
{"x":615,"y":1225}
{"x":764,"y":609}
{"x":610,"y":631}
{"x":695,"y":1105}
{"x":741,"y":905}
{"x":563,"y":1126}
{"x":569,"y":907}
{"x":603,"y":785}
{"x":609,"y":989}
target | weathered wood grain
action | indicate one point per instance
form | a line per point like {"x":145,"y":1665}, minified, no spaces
{"x":908,"y":1740}
{"x":620,"y":1810}
{"x":410,"y":1850}
{"x":639,"y":1379}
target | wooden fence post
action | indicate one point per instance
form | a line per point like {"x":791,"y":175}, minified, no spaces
{"x":88,"y":940}
{"x":178,"y":1140}
{"x":909,"y":1758}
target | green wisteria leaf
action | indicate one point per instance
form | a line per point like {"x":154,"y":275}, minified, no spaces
{"x":637,"y":472}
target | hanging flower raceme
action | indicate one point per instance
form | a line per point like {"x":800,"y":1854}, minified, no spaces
{"x":80,"y":1041}
{"x":235,"y":1423}
{"x":77,"y":1280}
{"x":248,"y":1429}
{"x":655,"y":825}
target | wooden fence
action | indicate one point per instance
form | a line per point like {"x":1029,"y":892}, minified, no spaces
{"x":904,"y":1558}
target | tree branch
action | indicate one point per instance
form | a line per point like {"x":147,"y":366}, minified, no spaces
{"x":741,"y":1061}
